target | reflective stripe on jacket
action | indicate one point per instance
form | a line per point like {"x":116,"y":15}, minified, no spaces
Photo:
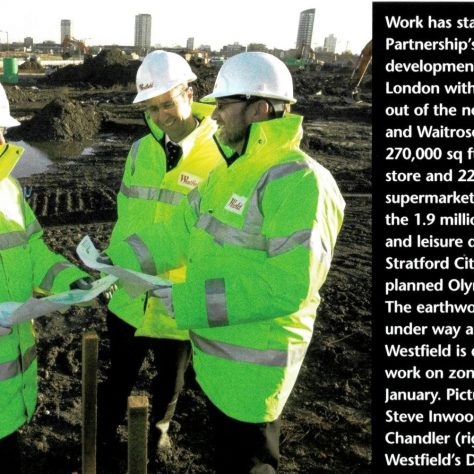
{"x":259,"y":238}
{"x":148,"y":194}
{"x":26,"y":263}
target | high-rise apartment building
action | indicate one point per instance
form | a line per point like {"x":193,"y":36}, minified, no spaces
{"x":190,"y":44}
{"x":330,"y":43}
{"x":66,"y":28}
{"x":143,"y":31}
{"x":305,"y":28}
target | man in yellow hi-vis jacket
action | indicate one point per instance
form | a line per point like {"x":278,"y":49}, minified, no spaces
{"x":161,"y":169}
{"x":258,"y":238}
{"x":26,"y":265}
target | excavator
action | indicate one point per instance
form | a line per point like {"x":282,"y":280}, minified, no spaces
{"x":70,"y":44}
{"x":305,"y":53}
{"x":359,"y":72}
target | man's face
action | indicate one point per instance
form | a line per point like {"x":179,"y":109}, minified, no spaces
{"x":232,"y":117}
{"x":171,"y":110}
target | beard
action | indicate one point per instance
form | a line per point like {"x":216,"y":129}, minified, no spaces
{"x":233,"y":136}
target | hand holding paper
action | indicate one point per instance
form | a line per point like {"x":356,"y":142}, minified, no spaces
{"x":133,"y":282}
{"x":15,"y":313}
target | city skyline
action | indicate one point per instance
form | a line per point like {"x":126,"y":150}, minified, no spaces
{"x":209,"y":22}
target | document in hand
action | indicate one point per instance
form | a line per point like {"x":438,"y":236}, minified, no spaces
{"x":15,"y":313}
{"x":133,"y":282}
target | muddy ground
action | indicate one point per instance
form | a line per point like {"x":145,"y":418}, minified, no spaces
{"x":326,"y":424}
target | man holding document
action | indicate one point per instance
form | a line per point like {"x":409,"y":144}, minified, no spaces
{"x":27,"y":265}
{"x":163,"y":167}
{"x":258,"y":238}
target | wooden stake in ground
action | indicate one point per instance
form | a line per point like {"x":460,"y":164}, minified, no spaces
{"x":137,"y":434}
{"x":90,"y":346}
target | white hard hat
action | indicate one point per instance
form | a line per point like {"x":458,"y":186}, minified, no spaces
{"x":6,"y":120}
{"x":160,"y":72}
{"x":253,"y":74}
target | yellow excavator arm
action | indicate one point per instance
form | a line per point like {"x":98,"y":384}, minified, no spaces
{"x":360,"y":69}
{"x":69,"y":42}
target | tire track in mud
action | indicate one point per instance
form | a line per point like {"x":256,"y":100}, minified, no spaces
{"x":70,"y":206}
{"x":80,"y":190}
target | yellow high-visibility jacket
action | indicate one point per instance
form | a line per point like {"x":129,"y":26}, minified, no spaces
{"x":149,"y":194}
{"x":258,"y":238}
{"x":26,"y":264}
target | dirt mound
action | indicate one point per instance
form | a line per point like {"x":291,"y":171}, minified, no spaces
{"x":109,"y":67}
{"x":109,"y":57}
{"x":31,"y":65}
{"x":62,"y":120}
{"x":206,"y":77}
{"x":16,"y":94}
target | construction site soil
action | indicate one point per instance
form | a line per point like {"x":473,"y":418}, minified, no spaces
{"x":326,"y":423}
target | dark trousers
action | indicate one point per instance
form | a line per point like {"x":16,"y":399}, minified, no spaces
{"x":10,"y":455}
{"x":242,"y":448}
{"x":127,"y":352}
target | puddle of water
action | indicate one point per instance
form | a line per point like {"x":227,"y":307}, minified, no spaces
{"x":33,"y":161}
{"x":39,"y":156}
{"x":60,"y":151}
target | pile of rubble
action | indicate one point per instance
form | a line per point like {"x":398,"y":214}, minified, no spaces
{"x":18,"y":94}
{"x":62,"y":120}
{"x":206,"y":77}
{"x":31,"y":65}
{"x":108,"y":68}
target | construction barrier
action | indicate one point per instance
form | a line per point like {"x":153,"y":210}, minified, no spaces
{"x":90,"y":349}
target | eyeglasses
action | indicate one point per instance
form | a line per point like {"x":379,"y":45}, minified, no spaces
{"x":168,"y":105}
{"x":221,"y":104}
